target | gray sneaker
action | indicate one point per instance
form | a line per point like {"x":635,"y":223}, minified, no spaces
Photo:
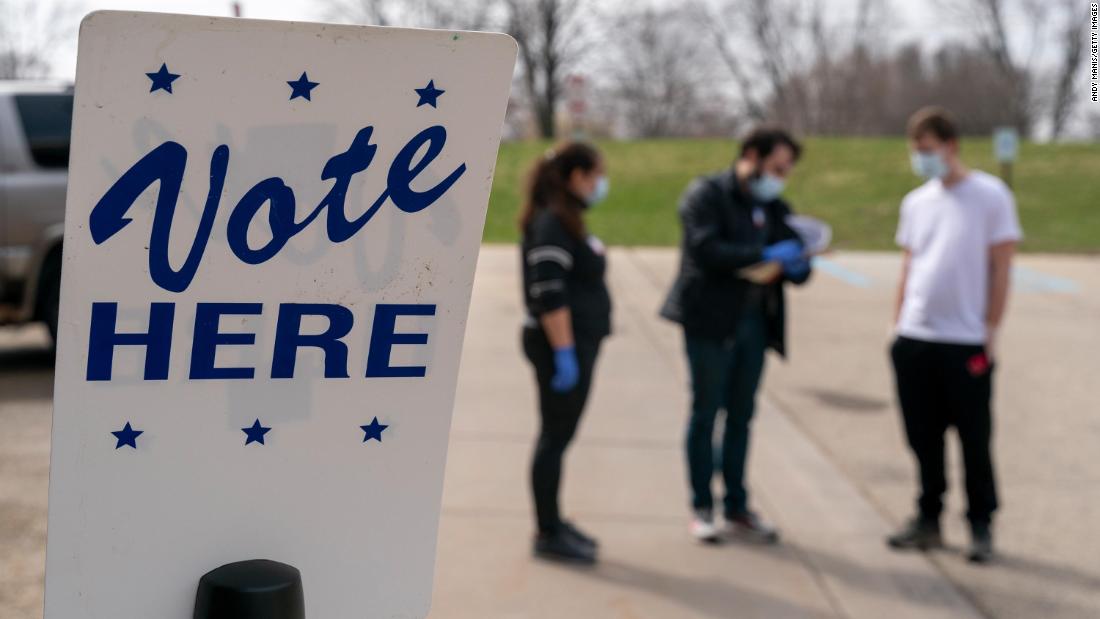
{"x":981,"y":544}
{"x":918,"y":534}
{"x":702,"y":527}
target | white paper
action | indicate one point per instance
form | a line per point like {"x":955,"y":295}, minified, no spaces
{"x":814,"y":233}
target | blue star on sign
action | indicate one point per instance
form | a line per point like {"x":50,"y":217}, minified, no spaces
{"x":162,"y":79}
{"x":301,"y":87}
{"x":127,"y":436}
{"x":429,"y":94}
{"x":373,"y":430}
{"x":255,"y":433}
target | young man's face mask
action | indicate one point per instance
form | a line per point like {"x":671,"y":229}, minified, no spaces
{"x":928,"y":165}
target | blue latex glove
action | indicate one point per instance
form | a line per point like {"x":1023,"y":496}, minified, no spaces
{"x":784,"y":251}
{"x":566,"y":370}
{"x":797,"y":269}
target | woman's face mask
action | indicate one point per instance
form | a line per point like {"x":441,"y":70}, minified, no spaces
{"x":766,"y":187}
{"x":928,"y":165}
{"x":599,"y":192}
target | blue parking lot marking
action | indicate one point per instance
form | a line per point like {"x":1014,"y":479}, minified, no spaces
{"x":844,"y":274}
{"x":1030,"y":280}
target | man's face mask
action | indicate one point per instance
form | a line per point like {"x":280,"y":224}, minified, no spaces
{"x":928,"y":165}
{"x":766,"y":187}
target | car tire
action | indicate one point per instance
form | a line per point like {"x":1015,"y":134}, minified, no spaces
{"x":49,"y":292}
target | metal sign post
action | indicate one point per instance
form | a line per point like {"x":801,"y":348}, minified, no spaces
{"x":1006,"y":146}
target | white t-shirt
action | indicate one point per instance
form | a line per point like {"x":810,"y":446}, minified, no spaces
{"x":949,"y":232}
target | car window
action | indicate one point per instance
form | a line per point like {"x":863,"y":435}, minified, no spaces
{"x":47,"y":121}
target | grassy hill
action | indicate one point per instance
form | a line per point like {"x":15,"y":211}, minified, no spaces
{"x":853,"y":183}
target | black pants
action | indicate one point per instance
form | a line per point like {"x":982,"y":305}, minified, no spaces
{"x":560,"y":413}
{"x":943,"y":385}
{"x":724,"y":376}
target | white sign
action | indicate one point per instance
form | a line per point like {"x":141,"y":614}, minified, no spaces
{"x":270,"y":244}
{"x":1006,"y":143}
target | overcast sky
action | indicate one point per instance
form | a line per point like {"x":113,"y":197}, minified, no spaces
{"x":64,"y":64}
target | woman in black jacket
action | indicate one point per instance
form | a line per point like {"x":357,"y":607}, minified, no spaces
{"x":568,"y":314}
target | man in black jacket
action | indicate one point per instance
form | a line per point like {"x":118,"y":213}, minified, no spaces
{"x":733,"y":220}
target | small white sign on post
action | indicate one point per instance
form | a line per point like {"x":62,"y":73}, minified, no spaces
{"x":270,"y":242}
{"x":1006,"y":144}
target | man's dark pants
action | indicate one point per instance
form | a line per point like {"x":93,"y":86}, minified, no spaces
{"x":724,"y":375}
{"x":941,"y":385}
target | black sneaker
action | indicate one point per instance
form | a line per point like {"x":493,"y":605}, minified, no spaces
{"x":561,"y":546}
{"x":585,"y":539}
{"x":919,"y":533}
{"x":981,"y":544}
{"x":751,"y":526}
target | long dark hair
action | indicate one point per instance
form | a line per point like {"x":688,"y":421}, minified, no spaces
{"x":548,"y":186}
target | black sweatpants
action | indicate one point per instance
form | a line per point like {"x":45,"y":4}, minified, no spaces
{"x":560,"y":413}
{"x":942,"y":385}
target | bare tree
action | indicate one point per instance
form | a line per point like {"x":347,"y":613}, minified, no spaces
{"x":711,"y":24}
{"x":29,"y":32}
{"x":1040,"y":60}
{"x":460,"y":14}
{"x":1011,"y":52}
{"x":874,"y":94}
{"x":546,"y":31}
{"x":372,"y":12}
{"x":799,"y":63}
{"x":774,"y":28}
{"x":657,"y":74}
{"x":859,"y":93}
{"x":549,"y":34}
{"x":446,"y":14}
{"x":1071,"y":57}
{"x":759,"y":41}
{"x":872,"y":24}
{"x":968,"y":82}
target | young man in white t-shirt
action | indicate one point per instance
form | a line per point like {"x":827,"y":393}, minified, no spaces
{"x":958,"y":231}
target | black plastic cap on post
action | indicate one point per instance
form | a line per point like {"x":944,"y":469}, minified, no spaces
{"x":257,"y":589}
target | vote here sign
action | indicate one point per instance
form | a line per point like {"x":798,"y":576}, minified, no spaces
{"x":270,"y":242}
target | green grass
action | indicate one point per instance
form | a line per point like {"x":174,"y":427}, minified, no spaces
{"x":855,"y":184}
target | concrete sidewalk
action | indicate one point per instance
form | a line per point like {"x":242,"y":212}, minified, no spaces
{"x":828,"y":464}
{"x":625,"y":481}
{"x":838,"y":389}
